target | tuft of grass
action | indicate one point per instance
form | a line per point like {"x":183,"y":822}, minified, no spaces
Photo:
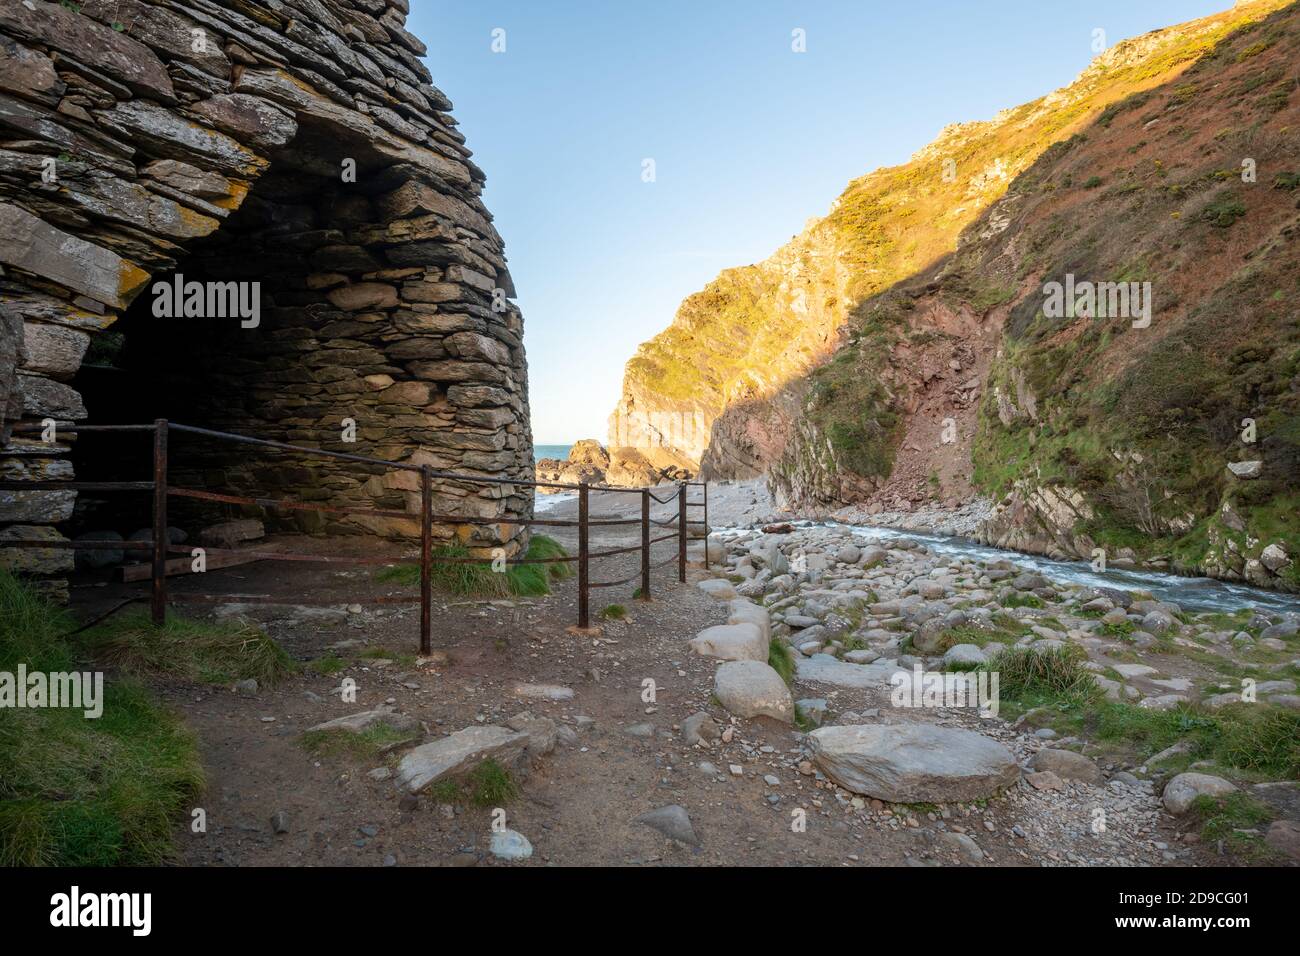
{"x":1121,"y":629}
{"x":210,"y":652}
{"x":614,"y":612}
{"x":1022,"y":600}
{"x":373,"y":742}
{"x":478,"y":579}
{"x":491,"y":785}
{"x":85,"y":792}
{"x":1223,"y":211}
{"x":780,"y":659}
{"x":536,"y":579}
{"x":1026,"y":672}
{"x":400,"y":658}
{"x":329,"y":664}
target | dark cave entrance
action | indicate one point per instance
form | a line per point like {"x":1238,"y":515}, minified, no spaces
{"x":295,"y":377}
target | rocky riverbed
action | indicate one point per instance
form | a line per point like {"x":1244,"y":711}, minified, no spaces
{"x":918,"y":636}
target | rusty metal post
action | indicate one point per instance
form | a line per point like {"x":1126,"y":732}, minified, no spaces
{"x":681,"y":532}
{"x":426,"y":560}
{"x":705,"y":485}
{"x":645,"y":544}
{"x":158,"y":599}
{"x":584,"y":577}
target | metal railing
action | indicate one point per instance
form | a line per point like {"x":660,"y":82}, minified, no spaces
{"x":159,"y":546}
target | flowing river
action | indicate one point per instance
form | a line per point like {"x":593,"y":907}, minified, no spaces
{"x":1191,"y":594}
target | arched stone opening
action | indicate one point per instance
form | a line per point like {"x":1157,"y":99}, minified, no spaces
{"x":384,"y":296}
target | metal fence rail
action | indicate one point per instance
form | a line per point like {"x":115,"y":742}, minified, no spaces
{"x":159,"y":546}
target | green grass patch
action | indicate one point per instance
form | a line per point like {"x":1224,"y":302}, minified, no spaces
{"x":487,"y":785}
{"x":478,"y":579}
{"x":219,"y":652}
{"x":1261,"y":738}
{"x":328,"y":665}
{"x":85,"y":792}
{"x":614,"y":612}
{"x":1223,"y":211}
{"x":369,"y":744}
{"x":491,"y":785}
{"x":1022,"y":600}
{"x":401,"y":658}
{"x":1026,"y":672}
{"x":1120,"y":629}
{"x":780,"y":659}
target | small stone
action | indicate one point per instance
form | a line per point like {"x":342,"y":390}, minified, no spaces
{"x":1044,"y":780}
{"x":672,"y":821}
{"x":510,"y":845}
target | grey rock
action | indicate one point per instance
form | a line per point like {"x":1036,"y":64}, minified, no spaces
{"x":457,"y":754}
{"x":1186,"y":787}
{"x":672,"y":821}
{"x":913,"y":763}
{"x":731,"y":642}
{"x":510,"y":845}
{"x":752,"y":689}
{"x":1067,"y":765}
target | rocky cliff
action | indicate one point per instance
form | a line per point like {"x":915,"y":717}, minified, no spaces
{"x":715,"y":387}
{"x":294,"y":152}
{"x":938,"y":377}
{"x":1130,"y":394}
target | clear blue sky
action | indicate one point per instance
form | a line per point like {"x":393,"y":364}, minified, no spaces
{"x":749,"y":138}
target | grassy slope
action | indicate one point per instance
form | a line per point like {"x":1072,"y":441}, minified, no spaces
{"x":886,"y":226}
{"x":85,"y":792}
{"x":1143,"y":421}
{"x":1151,"y":191}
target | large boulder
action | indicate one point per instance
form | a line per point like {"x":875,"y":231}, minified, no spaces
{"x":1186,"y":787}
{"x":913,"y":763}
{"x":731,"y":642}
{"x":753,"y":689}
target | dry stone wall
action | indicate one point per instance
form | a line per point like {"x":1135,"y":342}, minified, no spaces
{"x":297,"y":144}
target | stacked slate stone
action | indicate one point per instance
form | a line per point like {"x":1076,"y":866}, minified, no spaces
{"x":298,"y":143}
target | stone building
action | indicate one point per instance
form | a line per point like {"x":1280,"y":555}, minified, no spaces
{"x":294,"y":153}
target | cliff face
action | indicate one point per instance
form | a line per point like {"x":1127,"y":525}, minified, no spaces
{"x":297,"y":153}
{"x":1112,"y":353}
{"x":725,"y":385}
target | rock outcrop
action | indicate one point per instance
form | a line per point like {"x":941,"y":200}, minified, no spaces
{"x":723,"y":387}
{"x":295,"y":158}
{"x":589,"y":462}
